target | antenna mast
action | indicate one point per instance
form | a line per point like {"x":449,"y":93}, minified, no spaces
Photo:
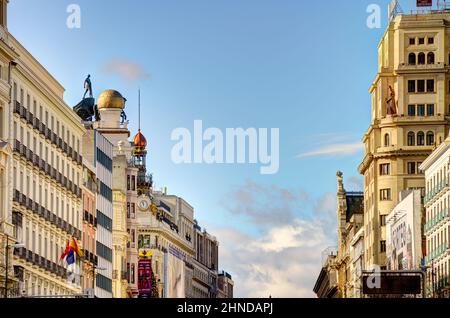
{"x":139,"y":108}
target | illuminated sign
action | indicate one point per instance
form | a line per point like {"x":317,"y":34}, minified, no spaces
{"x":424,"y":3}
{"x":145,"y":253}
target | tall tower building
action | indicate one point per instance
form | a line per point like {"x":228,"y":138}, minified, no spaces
{"x":111,"y":105}
{"x":97,"y":152}
{"x":410,"y":117}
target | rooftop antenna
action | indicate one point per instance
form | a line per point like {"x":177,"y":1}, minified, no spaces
{"x":394,"y":10}
{"x":139,"y":108}
{"x":443,"y":5}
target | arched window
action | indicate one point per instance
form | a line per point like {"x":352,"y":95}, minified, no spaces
{"x":430,"y":138}
{"x":430,"y":58}
{"x":411,"y":139}
{"x":421,"y":59}
{"x":412,"y":59}
{"x":420,"y":139}
{"x":387,"y":140}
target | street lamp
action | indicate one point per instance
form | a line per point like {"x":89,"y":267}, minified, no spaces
{"x":7,"y":247}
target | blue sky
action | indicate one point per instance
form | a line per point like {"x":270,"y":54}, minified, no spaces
{"x":303,"y":68}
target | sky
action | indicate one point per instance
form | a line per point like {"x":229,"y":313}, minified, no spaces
{"x":303,"y":67}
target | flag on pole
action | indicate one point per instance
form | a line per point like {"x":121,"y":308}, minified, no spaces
{"x":74,"y":247}
{"x":66,"y":251}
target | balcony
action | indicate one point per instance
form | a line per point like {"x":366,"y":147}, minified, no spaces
{"x":17,"y":107}
{"x":435,"y":191}
{"x":437,"y":253}
{"x":443,"y":215}
{"x":30,"y":118}
{"x":35,"y":160}
{"x":54,"y":138}
{"x":36,"y":123}
{"x":23,"y":113}
{"x":41,"y":128}
{"x":403,"y":67}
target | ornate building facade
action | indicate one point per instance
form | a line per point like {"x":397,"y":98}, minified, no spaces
{"x":45,"y":178}
{"x":437,"y":221}
{"x":205,"y":264}
{"x":350,"y":221}
{"x":410,"y":116}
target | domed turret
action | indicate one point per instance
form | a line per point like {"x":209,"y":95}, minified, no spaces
{"x":111,"y":99}
{"x":140,"y":143}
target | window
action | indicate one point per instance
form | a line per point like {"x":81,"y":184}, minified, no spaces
{"x":431,"y":40}
{"x":104,"y":283}
{"x":421,"y":58}
{"x":412,"y":41}
{"x":132,"y":274}
{"x":430,"y":109}
{"x":385,"y":195}
{"x":104,"y":252}
{"x":385,"y":169}
{"x":421,"y":110}
{"x":430,"y":86}
{"x":421,"y":41}
{"x":104,"y":221}
{"x":430,"y":138}
{"x":411,"y":168}
{"x":387,"y":141}
{"x":412,"y":86}
{"x":430,"y":58}
{"x":383,"y":246}
{"x":411,"y":110}
{"x":128,"y":210}
{"x":133,"y":183}
{"x":421,"y":86}
{"x":412,"y":59}
{"x":382,"y":220}
{"x":128,"y":182}
{"x":420,"y":139}
{"x":105,"y":191}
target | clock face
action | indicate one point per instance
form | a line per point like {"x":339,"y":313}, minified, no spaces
{"x":143,"y":205}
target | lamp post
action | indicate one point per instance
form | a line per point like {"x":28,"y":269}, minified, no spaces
{"x":7,"y":247}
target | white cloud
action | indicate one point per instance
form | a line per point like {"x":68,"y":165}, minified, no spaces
{"x":284,"y":257}
{"x":283,"y":263}
{"x":128,"y":70}
{"x":343,"y":149}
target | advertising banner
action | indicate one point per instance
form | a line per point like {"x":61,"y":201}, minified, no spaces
{"x":175,"y":277}
{"x":424,"y":3}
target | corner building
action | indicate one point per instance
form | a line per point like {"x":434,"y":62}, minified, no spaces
{"x":410,"y":117}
